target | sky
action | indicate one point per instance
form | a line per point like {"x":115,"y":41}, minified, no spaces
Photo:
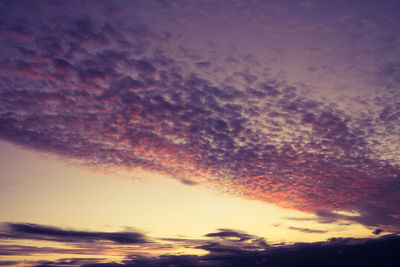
{"x":199,"y":133}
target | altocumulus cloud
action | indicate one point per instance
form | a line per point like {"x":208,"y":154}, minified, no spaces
{"x":111,"y":93}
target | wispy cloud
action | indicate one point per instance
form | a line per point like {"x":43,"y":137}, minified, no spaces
{"x":307,"y":230}
{"x":224,"y":247}
{"x":335,"y":252}
{"x":40,"y":232}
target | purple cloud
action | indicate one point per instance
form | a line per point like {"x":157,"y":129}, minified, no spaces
{"x":336,"y":252}
{"x":307,"y":230}
{"x":110,"y":93}
{"x":40,"y":232}
{"x":225,"y":247}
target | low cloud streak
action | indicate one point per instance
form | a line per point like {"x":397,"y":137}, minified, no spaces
{"x":225,"y":247}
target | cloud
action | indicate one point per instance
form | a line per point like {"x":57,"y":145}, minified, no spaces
{"x":21,"y":250}
{"x":22,"y":240}
{"x":225,"y":247}
{"x":317,"y":219}
{"x":7,"y":263}
{"x":74,"y":242}
{"x":188,"y":182}
{"x":68,"y":262}
{"x":377,"y":231}
{"x":226,"y":233}
{"x":307,"y":230}
{"x":336,"y":252}
{"x":40,"y":232}
{"x":111,"y":93}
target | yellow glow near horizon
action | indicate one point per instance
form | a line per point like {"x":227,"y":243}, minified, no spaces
{"x":42,"y":190}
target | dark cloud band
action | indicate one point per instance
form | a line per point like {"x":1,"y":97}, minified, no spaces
{"x":40,"y":232}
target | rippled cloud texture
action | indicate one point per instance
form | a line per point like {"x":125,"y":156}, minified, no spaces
{"x":98,"y":83}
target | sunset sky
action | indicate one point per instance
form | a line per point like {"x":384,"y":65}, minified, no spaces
{"x":199,"y":133}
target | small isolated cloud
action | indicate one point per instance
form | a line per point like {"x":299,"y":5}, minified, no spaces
{"x":226,"y":233}
{"x":307,"y":230}
{"x":319,"y":219}
{"x":189,"y":182}
{"x":377,"y":231}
